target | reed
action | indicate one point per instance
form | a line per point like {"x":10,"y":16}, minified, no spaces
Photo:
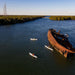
{"x":10,"y":19}
{"x":58,"y":18}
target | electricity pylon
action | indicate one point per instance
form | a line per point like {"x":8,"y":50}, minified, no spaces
{"x":5,"y":9}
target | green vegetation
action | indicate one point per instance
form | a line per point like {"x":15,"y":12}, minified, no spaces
{"x":58,"y":18}
{"x":10,"y":19}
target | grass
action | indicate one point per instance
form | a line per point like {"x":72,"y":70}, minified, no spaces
{"x":13,"y":19}
{"x":58,"y":18}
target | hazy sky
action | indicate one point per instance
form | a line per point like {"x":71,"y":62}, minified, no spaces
{"x":38,"y":7}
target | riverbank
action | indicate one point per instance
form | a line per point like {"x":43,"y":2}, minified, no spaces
{"x":13,"y":19}
{"x":58,"y":18}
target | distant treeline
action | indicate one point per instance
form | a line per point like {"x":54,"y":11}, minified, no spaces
{"x":10,"y":19}
{"x":58,"y":18}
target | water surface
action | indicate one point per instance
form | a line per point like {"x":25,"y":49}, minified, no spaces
{"x":15,"y":46}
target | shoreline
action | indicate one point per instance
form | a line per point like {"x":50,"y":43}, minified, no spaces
{"x":14,"y":19}
{"x":62,"y":18}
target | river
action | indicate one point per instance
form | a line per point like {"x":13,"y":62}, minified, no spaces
{"x":15,"y":46}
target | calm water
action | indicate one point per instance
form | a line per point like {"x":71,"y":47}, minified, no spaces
{"x":15,"y":46}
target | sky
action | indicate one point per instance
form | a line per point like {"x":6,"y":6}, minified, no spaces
{"x":38,"y":7}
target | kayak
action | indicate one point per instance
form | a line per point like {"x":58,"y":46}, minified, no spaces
{"x":34,"y":39}
{"x":66,"y":35}
{"x":48,"y":48}
{"x":31,"y":54}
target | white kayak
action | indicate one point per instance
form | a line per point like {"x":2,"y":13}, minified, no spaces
{"x":66,"y":35}
{"x":31,"y":54}
{"x":49,"y":48}
{"x":33,"y":39}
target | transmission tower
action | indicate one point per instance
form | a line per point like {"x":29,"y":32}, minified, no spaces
{"x":5,"y":9}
